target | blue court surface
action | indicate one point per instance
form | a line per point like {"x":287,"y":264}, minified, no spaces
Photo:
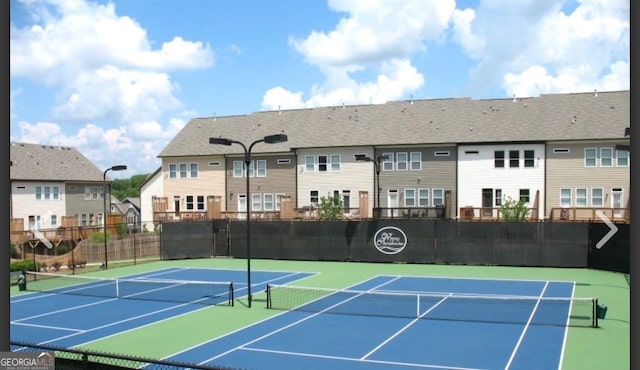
{"x":386,"y":322}
{"x":379,"y":324}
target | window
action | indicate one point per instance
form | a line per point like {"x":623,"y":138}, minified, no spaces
{"x":409,"y":197}
{"x":402,"y":161}
{"x":313,"y":197}
{"x":322,"y":163}
{"x":387,"y":164}
{"x":193,"y":170}
{"x":346,"y":200}
{"x":335,"y":162}
{"x":238,"y":169}
{"x":278,"y":201}
{"x":581,"y":197}
{"x":310,"y":163}
{"x":256,"y":202}
{"x":189,"y":202}
{"x":200,"y":202}
{"x":183,"y":170}
{"x":622,"y":158}
{"x":173,"y":169}
{"x":261,"y":170}
{"x":56,"y":192}
{"x":590,"y":156}
{"x":498,"y":197}
{"x":54,"y":220}
{"x":514,"y":158}
{"x":93,"y":192}
{"x":268,"y":202}
{"x":597,"y":197}
{"x":438,"y":197}
{"x":47,"y":192}
{"x":416,"y":161}
{"x":423,"y":197}
{"x":565,"y":197}
{"x":39,"y":193}
{"x":529,"y":158}
{"x":498,"y":158}
{"x":524,"y":195}
{"x":606,"y":157}
{"x":83,"y":219}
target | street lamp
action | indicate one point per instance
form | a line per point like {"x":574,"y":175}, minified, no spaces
{"x":120,"y":167}
{"x":376,"y":164}
{"x":271,"y":139}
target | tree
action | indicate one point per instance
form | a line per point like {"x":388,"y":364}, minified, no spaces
{"x":331,"y":208}
{"x":512,"y":210}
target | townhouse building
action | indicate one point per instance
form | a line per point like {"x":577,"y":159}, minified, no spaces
{"x":562,"y":154}
{"x":53,"y":187}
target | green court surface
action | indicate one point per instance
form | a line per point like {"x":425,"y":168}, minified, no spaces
{"x":605,"y":347}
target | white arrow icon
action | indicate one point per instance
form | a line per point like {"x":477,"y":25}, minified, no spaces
{"x":614,"y":229}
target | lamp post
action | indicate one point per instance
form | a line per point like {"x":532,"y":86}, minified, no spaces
{"x":376,"y":164}
{"x":120,"y":167}
{"x":271,"y":139}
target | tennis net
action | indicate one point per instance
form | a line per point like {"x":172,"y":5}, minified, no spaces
{"x":143,"y":288}
{"x":456,"y":307}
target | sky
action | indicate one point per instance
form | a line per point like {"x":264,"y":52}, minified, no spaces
{"x":119,"y":79}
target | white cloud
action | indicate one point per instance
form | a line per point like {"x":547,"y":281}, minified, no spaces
{"x":375,"y":38}
{"x":102,"y":63}
{"x":374,"y":31}
{"x":110,"y":92}
{"x":281,"y":98}
{"x":535,"y":47}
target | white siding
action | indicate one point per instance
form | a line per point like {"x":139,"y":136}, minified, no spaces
{"x":153,"y":187}
{"x":25,"y":204}
{"x":477,"y":171}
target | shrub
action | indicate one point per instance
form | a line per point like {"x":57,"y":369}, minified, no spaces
{"x":514,"y":211}
{"x":331,"y":208}
{"x":27,"y":265}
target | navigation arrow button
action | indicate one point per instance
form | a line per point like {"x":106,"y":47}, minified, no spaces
{"x":613,"y":229}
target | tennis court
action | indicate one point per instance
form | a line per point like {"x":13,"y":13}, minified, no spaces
{"x":401,"y":322}
{"x":72,"y":310}
{"x":317,"y":315}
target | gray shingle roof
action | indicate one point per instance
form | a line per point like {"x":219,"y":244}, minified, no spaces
{"x":549,"y":117}
{"x":37,"y":162}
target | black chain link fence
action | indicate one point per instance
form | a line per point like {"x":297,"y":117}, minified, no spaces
{"x":82,"y":359}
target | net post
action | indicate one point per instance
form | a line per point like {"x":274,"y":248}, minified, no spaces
{"x":231,"y":294}
{"x":594,"y":322}
{"x":268,"y":291}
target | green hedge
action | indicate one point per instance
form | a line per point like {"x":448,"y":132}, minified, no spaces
{"x":27,"y":265}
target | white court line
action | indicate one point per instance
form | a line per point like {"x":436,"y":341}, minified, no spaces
{"x":566,"y":328}
{"x":294,"y":323}
{"x":526,"y":327}
{"x":169,"y":318}
{"x":359,"y":360}
{"x":404,"y":328}
{"x":47,"y":327}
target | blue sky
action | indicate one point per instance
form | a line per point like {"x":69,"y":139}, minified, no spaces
{"x":118,"y":79}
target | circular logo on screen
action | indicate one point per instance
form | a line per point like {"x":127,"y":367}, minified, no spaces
{"x":390,"y":240}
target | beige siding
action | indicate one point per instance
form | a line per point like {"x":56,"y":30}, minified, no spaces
{"x":210,"y":180}
{"x":354,"y":176}
{"x":567,"y":170}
